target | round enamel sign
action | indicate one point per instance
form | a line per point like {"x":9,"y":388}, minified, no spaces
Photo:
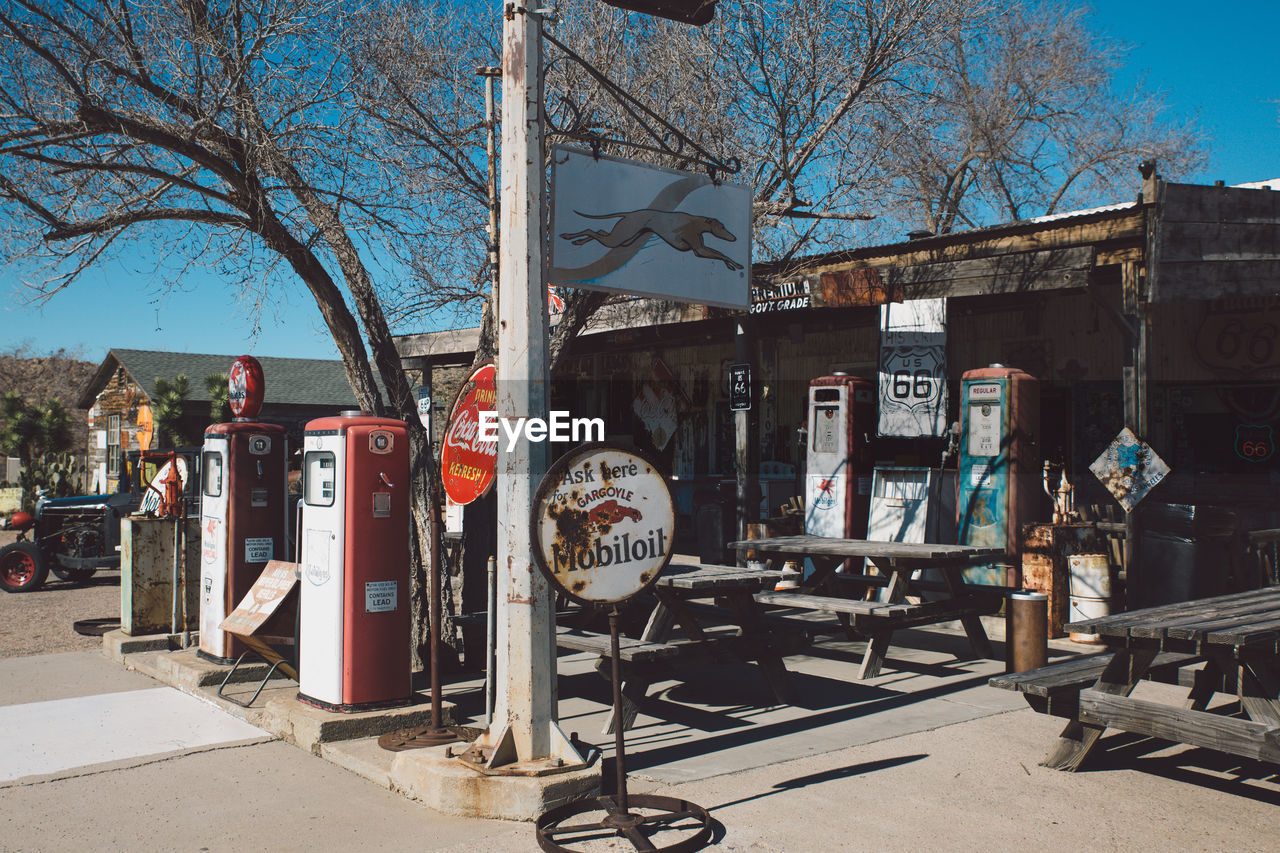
{"x":467,"y":464}
{"x":603,"y":523}
{"x":245,"y":387}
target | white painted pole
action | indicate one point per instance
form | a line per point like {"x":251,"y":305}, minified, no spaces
{"x":523,"y":728}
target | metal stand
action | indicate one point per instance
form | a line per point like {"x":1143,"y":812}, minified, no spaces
{"x":227,"y":679}
{"x":619,"y":819}
{"x":435,"y":734}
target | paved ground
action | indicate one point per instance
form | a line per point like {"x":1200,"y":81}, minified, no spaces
{"x":33,"y":623}
{"x":923,"y":757}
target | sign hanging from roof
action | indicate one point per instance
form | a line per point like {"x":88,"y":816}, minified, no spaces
{"x":627,"y":227}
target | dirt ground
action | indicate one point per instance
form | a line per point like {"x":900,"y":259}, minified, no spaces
{"x":37,"y":623}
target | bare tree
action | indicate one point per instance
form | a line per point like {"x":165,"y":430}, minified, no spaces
{"x":783,"y":86}
{"x":1017,"y":114}
{"x":213,"y":131}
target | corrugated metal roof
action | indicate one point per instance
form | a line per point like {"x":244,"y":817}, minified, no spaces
{"x":766,"y":270}
{"x":1273,"y":184}
{"x":289,"y":381}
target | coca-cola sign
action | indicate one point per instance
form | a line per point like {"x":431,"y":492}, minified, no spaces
{"x":467,"y":463}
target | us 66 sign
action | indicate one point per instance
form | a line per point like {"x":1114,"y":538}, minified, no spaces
{"x":912,"y":390}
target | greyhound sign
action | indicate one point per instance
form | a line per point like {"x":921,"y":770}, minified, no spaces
{"x":628,"y":227}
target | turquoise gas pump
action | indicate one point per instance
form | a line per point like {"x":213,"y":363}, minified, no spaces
{"x":999,"y":472}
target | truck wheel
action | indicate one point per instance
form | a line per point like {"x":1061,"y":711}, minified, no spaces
{"x":73,"y":575}
{"x":21,"y":568}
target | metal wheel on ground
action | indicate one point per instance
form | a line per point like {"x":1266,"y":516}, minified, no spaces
{"x":649,"y":823}
{"x":21,"y":567}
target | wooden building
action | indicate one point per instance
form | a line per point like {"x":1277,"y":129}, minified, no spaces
{"x":119,"y":400}
{"x":1162,"y":314}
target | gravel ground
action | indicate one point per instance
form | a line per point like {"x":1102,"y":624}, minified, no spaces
{"x":37,"y":623}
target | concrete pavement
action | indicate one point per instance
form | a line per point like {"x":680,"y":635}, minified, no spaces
{"x":925,"y":756}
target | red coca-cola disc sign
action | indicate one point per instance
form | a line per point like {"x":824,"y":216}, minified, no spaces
{"x":467,"y":464}
{"x":245,"y":387}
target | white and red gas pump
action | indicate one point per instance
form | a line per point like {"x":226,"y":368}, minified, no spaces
{"x":355,"y":630}
{"x":842,"y":419}
{"x":244,"y":513}
{"x":999,"y":474}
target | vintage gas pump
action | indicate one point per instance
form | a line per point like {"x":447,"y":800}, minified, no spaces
{"x":999,"y":473}
{"x":244,"y":513}
{"x":842,"y":419}
{"x":355,"y":632}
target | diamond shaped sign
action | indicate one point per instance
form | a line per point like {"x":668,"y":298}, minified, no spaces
{"x":1129,"y":468}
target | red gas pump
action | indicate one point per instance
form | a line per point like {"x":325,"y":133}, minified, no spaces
{"x":244,"y":512}
{"x":355,"y":632}
{"x":842,"y":419}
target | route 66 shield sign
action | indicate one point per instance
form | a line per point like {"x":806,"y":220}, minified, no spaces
{"x":1254,"y":442}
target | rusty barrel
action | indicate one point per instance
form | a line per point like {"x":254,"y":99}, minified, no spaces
{"x":1090,"y":591}
{"x":1027,"y":631}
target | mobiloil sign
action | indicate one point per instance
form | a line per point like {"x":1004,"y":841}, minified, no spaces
{"x":999,"y":475}
{"x":603,"y":522}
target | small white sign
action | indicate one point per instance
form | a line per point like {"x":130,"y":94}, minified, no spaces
{"x":984,"y":429}
{"x":258,"y":550}
{"x":379,"y":596}
{"x":424,"y":406}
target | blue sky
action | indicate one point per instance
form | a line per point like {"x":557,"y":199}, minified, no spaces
{"x":1214,"y":61}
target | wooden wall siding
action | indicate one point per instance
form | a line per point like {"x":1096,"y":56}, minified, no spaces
{"x":1109,"y":231}
{"x":1022,"y":272}
{"x":1225,"y":340}
{"x":1063,"y":337}
{"x":1215,"y":242}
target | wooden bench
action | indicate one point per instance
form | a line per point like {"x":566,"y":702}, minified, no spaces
{"x":1055,"y":689}
{"x":629,"y":649}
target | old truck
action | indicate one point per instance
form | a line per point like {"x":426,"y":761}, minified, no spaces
{"x":75,"y":537}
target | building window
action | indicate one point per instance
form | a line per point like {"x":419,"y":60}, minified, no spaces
{"x":113,"y":445}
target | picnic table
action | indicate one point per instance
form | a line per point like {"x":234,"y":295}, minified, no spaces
{"x":1236,"y":636}
{"x":737,"y":632}
{"x":897,"y":564}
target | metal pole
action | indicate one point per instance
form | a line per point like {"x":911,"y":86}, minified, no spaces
{"x":433,"y":614}
{"x":524,"y":726}
{"x":491,"y":630}
{"x":619,"y":737}
{"x":746,"y":437}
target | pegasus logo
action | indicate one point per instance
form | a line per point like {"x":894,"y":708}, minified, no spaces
{"x":684,"y":232}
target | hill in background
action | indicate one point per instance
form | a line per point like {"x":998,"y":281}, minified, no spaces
{"x":38,"y":377}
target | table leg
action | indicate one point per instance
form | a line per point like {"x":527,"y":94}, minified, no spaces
{"x":656,"y":630}
{"x":755,"y":631}
{"x":1121,"y":675}
{"x":878,"y":641}
{"x":1206,"y":682}
{"x":953,"y":577}
{"x":823,"y":569}
{"x":1259,"y":688}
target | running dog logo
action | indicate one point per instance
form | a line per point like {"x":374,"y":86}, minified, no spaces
{"x":684,"y":232}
